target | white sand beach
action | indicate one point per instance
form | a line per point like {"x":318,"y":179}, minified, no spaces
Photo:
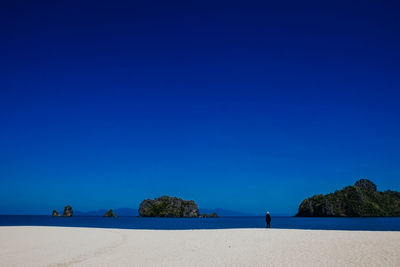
{"x":62,"y":246}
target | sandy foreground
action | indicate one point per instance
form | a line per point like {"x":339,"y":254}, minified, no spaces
{"x":62,"y":246}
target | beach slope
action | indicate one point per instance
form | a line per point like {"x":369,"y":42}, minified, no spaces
{"x":62,"y":246}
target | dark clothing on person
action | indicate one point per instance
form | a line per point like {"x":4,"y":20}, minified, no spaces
{"x":268,"y":220}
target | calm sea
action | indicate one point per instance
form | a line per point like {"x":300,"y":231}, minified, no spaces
{"x":374,"y":224}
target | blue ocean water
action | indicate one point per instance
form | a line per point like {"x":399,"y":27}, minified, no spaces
{"x":373,"y":224}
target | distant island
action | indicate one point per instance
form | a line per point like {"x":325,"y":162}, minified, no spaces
{"x":67,"y":212}
{"x":360,"y":200}
{"x":224,"y":212}
{"x":110,"y":214}
{"x":161,"y":207}
{"x":166,"y":206}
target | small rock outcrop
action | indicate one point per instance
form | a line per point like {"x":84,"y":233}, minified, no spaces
{"x":68,"y":211}
{"x":110,"y":214}
{"x":212,"y":215}
{"x":360,"y":200}
{"x":166,"y":206}
{"x":55,"y":213}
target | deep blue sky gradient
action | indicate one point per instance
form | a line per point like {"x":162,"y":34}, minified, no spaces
{"x":246,"y":106}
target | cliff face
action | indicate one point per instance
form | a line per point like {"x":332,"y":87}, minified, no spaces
{"x":360,"y":200}
{"x":168,"y":207}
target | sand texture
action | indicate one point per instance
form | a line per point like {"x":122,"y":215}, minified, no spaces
{"x":62,"y":246}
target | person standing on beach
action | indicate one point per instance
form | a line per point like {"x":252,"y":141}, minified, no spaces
{"x":268,"y":219}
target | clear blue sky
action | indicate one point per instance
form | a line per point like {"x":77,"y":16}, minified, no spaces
{"x":244,"y":106}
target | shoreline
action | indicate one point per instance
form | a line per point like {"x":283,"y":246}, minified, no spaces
{"x":331,"y":224}
{"x":199,"y":229}
{"x":77,"y":246}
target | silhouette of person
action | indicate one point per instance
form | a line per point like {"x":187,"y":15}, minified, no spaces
{"x":268,"y":219}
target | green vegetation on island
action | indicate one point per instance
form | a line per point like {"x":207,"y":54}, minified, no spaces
{"x":166,"y":206}
{"x":360,"y":200}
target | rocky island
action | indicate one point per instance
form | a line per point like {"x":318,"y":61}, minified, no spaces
{"x":55,"y":213}
{"x":166,"y":206}
{"x":212,"y":215}
{"x":360,"y":200}
{"x":67,"y":212}
{"x":110,"y":214}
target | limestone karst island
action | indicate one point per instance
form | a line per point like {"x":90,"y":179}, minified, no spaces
{"x":360,"y":200}
{"x":166,"y":206}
